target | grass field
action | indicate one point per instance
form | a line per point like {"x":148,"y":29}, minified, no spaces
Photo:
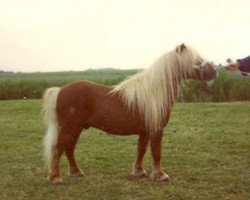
{"x":228,"y":86}
{"x":101,"y":75}
{"x":32,"y":85}
{"x":205,"y":152}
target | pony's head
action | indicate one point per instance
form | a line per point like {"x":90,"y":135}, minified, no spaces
{"x":193,"y":65}
{"x":152,"y":91}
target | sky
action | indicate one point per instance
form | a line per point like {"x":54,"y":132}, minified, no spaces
{"x":63,"y":35}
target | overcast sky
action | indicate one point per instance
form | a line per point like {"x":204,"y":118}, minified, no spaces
{"x":59,"y":35}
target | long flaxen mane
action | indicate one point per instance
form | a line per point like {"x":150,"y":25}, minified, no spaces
{"x":152,"y":91}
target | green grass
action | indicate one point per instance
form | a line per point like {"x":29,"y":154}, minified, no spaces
{"x":100,"y":75}
{"x":228,"y":87}
{"x":32,"y":85}
{"x":205,"y":152}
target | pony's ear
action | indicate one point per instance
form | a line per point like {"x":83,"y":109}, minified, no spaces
{"x":181,"y":48}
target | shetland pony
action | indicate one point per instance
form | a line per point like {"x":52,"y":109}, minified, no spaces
{"x":139,"y":105}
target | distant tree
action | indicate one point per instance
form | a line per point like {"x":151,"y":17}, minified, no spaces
{"x":6,"y":72}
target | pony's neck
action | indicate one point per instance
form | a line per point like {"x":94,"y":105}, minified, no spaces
{"x":165,"y":76}
{"x":153,"y":91}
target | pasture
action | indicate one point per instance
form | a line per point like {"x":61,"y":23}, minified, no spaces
{"x":32,"y":85}
{"x":227,"y":87}
{"x":205,"y":152}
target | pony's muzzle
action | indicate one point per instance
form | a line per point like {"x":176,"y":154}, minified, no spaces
{"x":209,"y":72}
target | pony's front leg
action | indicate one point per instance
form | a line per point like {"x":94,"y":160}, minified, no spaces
{"x":138,"y":170}
{"x":155,"y":142}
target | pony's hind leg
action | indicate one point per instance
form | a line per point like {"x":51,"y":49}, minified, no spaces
{"x":57,"y":151}
{"x":52,"y":152}
{"x":155,"y":142}
{"x":54,"y":173}
{"x":66,"y":141}
{"x":74,"y":170}
{"x":138,"y":170}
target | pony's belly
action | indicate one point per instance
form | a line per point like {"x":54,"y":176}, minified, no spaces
{"x":119,"y":128}
{"x":119,"y":133}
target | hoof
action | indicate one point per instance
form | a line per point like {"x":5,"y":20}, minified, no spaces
{"x":139,"y":173}
{"x":56,"y":181}
{"x":160,"y":177}
{"x":76,"y":174}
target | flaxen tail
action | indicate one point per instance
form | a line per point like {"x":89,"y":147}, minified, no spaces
{"x":50,"y":118}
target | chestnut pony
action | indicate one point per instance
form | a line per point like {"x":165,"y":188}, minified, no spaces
{"x":139,"y":105}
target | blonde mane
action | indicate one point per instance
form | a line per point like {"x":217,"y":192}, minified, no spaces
{"x":152,"y":91}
